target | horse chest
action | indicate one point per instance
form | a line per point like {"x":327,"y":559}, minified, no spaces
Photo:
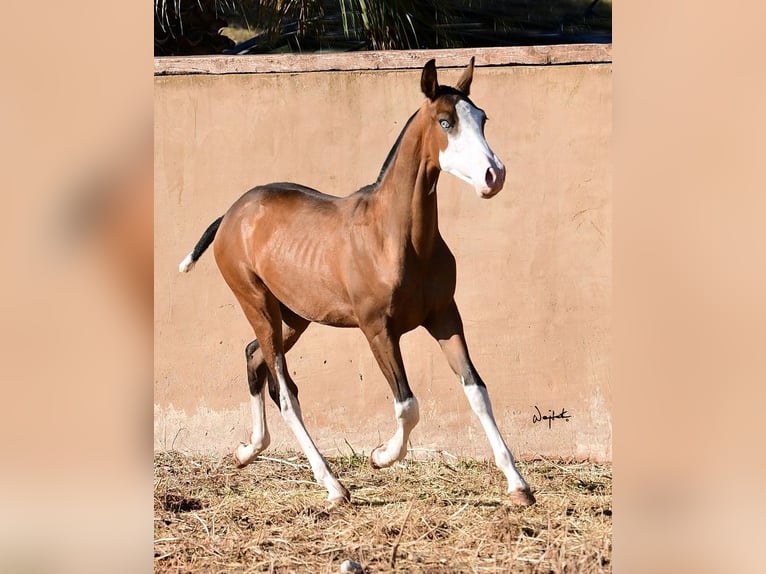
{"x":420,"y":286}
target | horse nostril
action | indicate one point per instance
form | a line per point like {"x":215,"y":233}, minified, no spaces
{"x":490,"y":177}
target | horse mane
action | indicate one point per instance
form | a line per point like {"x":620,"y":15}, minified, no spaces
{"x":441,"y":91}
{"x":389,"y":158}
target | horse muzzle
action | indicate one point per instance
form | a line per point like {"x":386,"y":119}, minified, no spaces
{"x":494,"y":179}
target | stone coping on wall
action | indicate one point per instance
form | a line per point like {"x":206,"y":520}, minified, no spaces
{"x":382,"y":60}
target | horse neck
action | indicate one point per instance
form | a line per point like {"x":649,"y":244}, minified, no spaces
{"x":407,"y":193}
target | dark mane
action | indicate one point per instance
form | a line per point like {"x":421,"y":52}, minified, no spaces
{"x":389,"y":157}
{"x":441,"y":91}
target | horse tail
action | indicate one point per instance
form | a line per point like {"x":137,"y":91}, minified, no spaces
{"x":204,"y":242}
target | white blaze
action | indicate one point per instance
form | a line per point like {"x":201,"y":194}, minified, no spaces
{"x":468,"y":155}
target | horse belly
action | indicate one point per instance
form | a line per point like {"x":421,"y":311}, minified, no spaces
{"x":316,"y":301}
{"x":299,"y":271}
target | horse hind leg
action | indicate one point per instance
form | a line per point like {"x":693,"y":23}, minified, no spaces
{"x":257,"y":376}
{"x":291,"y":413}
{"x":265,"y":315}
{"x":259,"y":437}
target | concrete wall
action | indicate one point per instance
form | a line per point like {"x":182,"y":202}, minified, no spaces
{"x":534,"y":263}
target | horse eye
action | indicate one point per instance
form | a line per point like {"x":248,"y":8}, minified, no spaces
{"x":445,"y":124}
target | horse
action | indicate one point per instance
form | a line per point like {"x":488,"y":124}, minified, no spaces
{"x":372,"y":260}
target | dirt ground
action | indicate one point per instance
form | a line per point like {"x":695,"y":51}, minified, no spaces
{"x":439,"y":514}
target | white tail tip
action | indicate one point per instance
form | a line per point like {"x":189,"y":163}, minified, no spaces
{"x":187,"y":264}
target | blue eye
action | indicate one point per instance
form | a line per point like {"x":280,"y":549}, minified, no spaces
{"x":445,"y":124}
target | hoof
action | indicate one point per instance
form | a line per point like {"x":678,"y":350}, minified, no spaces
{"x":343,"y":499}
{"x":238,"y":463}
{"x":351,"y":567}
{"x":522,"y":497}
{"x":374,"y":464}
{"x":243,"y":455}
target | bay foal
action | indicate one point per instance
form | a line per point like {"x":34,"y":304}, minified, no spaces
{"x":373,"y":260}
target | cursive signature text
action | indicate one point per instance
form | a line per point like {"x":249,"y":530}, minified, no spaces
{"x":549,"y":417}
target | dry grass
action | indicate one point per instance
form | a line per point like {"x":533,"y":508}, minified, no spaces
{"x":438,"y":515}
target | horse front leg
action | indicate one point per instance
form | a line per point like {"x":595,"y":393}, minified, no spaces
{"x":385,"y":348}
{"x":447,"y":328}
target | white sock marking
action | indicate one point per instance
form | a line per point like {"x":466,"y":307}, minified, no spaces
{"x":407,"y":416}
{"x":291,"y":413}
{"x":478,"y":398}
{"x":259,"y":437}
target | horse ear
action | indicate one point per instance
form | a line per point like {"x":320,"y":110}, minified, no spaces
{"x":428,"y":82}
{"x":464,"y":83}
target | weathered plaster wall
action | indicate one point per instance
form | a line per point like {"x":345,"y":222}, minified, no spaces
{"x":534,"y":263}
